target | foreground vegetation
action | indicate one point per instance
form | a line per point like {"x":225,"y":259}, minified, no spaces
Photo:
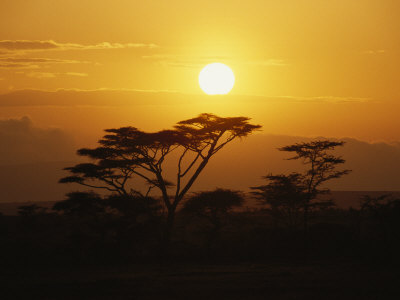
{"x":117,"y":231}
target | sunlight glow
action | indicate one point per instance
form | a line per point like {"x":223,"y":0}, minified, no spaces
{"x":216,"y":79}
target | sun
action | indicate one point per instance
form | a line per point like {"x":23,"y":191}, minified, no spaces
{"x":216,"y":79}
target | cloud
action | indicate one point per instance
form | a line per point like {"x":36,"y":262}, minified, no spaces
{"x":98,"y":97}
{"x":132,"y":97}
{"x":37,"y":45}
{"x":268,"y":62}
{"x":41,"y":60}
{"x":75,"y":74}
{"x":33,"y":62}
{"x":182,"y":60}
{"x":17,"y":66}
{"x":41,"y":75}
{"x":374,"y":52}
{"x":23,"y":142}
{"x":32,"y":159}
{"x":199,"y":61}
{"x":332,"y":99}
{"x":27,"y":45}
{"x":14,"y":48}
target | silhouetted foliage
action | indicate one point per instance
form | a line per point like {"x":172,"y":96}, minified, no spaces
{"x":111,"y":170}
{"x":320,"y":163}
{"x":81,"y":204}
{"x":109,"y":227}
{"x":133,"y":206}
{"x":31,"y":210}
{"x":213,"y":205}
{"x":129,"y":225}
{"x":128,"y":152}
{"x":321,"y":167}
{"x":376,"y":204}
{"x":380,"y":218}
{"x":214,"y":227}
{"x":285,"y":196}
{"x":290,"y":196}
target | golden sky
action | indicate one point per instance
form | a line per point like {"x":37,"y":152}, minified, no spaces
{"x":307,"y":67}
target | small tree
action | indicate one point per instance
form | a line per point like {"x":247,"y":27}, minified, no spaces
{"x":127,"y":152}
{"x":321,"y":167}
{"x":81,"y":204}
{"x":214,"y":206}
{"x":30,"y":211}
{"x":285,"y":195}
{"x":383,"y":211}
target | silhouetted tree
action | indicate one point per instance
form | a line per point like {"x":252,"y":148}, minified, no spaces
{"x":128,"y":152}
{"x":81,"y":204}
{"x":134,"y":206}
{"x":214,"y":206}
{"x":31,"y":215}
{"x":31,"y":210}
{"x":321,"y":167}
{"x":285,"y":195}
{"x":375,"y":204}
{"x":382,"y":213}
{"x":111,"y":169}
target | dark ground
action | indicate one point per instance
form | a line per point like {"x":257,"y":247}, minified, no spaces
{"x":278,"y":280}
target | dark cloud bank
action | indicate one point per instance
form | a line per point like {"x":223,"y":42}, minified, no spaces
{"x":22,"y":142}
{"x":31,"y":161}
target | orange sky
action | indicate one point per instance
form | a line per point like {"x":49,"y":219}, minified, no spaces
{"x":302,"y":67}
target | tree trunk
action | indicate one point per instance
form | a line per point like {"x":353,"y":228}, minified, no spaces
{"x":306,"y":231}
{"x":168,"y":231}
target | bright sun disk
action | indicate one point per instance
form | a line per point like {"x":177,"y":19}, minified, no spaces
{"x":216,"y":79}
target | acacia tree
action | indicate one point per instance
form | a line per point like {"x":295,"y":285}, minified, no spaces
{"x":214,"y":206}
{"x":81,"y":204}
{"x":285,"y":195}
{"x":321,"y":167}
{"x":128,"y":152}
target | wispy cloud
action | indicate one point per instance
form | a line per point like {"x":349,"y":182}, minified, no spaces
{"x":8,"y":65}
{"x":268,"y":62}
{"x":75,"y":74}
{"x":374,"y":52}
{"x":199,"y":61}
{"x":40,"y":60}
{"x":183,"y":60}
{"x":333,"y":99}
{"x":34,"y":63}
{"x":43,"y":75}
{"x":39,"y":45}
{"x":315,"y":99}
{"x":133,"y":97}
